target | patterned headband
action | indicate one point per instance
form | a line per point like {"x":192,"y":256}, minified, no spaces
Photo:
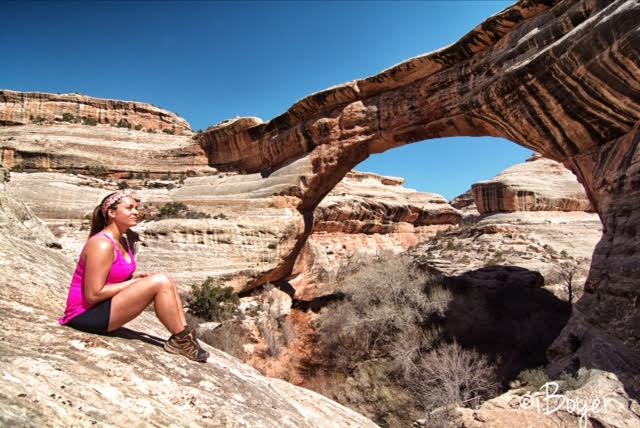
{"x":114,"y":199}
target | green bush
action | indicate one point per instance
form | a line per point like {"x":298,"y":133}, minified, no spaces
{"x":89,"y":121}
{"x":570,"y":382}
{"x":19,"y":167}
{"x":179,"y":210}
{"x":124,"y":123}
{"x":122,"y":185}
{"x":68,"y":117}
{"x":96,"y":170}
{"x":533,"y":378}
{"x":211,"y":302}
{"x":173,"y":209}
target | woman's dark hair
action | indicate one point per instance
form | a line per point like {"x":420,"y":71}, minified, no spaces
{"x":99,"y":222}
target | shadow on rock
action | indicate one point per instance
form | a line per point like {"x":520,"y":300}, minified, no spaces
{"x":126,"y":333}
{"x":504,"y":312}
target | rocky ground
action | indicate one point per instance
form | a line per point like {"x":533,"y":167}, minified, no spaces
{"x":52,"y":374}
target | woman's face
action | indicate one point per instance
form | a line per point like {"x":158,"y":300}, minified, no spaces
{"x":126,"y":212}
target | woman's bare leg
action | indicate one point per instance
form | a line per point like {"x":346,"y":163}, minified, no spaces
{"x":178,"y":299}
{"x":130,"y":302}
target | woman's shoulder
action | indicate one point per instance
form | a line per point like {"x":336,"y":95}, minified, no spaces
{"x":99,"y":243}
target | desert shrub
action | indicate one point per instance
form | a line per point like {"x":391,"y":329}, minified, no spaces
{"x":169,"y":131}
{"x":68,"y":117}
{"x":570,"y":382}
{"x":39,"y":120}
{"x":409,"y":346}
{"x":268,"y":329}
{"x":382,"y":301}
{"x":122,"y":184}
{"x":533,"y":379}
{"x":172,"y":209}
{"x":179,"y":210}
{"x":195,"y":214}
{"x":371,"y":391}
{"x":123,"y":123}
{"x":452,"y":375}
{"x":19,"y":167}
{"x":89,"y":121}
{"x":288,"y":333}
{"x":211,"y":302}
{"x":96,"y":170}
{"x":229,"y":338}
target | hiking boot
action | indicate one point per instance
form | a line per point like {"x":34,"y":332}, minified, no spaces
{"x":185,"y":343}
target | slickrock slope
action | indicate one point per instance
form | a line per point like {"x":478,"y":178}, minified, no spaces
{"x":98,"y":150}
{"x":560,"y":77}
{"x":55,"y":375}
{"x":537,"y":185}
{"x":17,"y":220}
{"x":364,"y":216}
{"x":23,"y":108}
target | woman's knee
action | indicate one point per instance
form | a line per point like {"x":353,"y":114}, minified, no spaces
{"x":161,"y":280}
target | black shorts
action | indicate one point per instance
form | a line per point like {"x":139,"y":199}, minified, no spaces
{"x":95,"y":319}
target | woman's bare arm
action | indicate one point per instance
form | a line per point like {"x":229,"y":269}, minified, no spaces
{"x":99,"y":257}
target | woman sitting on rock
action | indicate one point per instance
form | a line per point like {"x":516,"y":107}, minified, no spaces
{"x":104,"y":294}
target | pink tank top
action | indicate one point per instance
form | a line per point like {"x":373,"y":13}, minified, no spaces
{"x":120,"y":271}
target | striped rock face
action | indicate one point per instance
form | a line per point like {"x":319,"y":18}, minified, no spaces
{"x":559,"y":77}
{"x":23,"y":108}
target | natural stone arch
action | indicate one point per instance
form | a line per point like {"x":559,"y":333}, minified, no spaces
{"x":559,"y":77}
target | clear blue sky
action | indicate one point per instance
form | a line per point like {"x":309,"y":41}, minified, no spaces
{"x":209,"y":61}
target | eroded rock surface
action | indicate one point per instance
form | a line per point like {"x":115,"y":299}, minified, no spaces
{"x":537,"y":185}
{"x":364,"y":216}
{"x":53,"y":374}
{"x":248,"y":233}
{"x":600,"y":401}
{"x":23,"y":108}
{"x":98,"y":150}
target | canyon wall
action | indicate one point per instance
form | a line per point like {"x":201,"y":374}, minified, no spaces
{"x":23,"y":108}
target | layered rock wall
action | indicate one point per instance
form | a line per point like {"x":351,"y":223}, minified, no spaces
{"x":363,"y":217}
{"x":537,"y":185}
{"x":98,"y":151}
{"x":23,"y":108}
